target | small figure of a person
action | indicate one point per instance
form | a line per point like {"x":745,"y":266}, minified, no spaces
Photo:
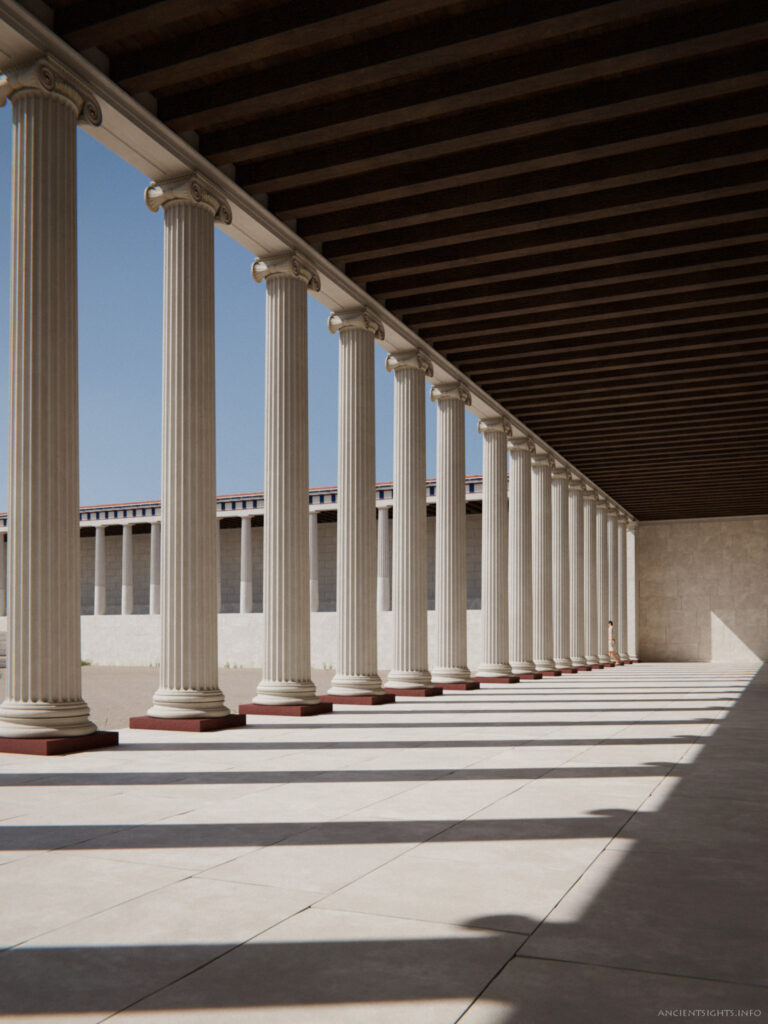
{"x":612,"y":644}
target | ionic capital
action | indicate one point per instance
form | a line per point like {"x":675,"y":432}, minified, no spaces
{"x":541,"y":459}
{"x":357,"y":319}
{"x":520,"y":444}
{"x":632,"y":525}
{"x":613,"y":512}
{"x":411,"y":359}
{"x":497,"y":425}
{"x":602,"y":504}
{"x":575,"y":484}
{"x":452,"y":392}
{"x":46,"y":75}
{"x":189,"y":189}
{"x":589,"y":494}
{"x":285,"y":264}
{"x":560,"y":473}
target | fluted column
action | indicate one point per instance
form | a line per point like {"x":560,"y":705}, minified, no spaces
{"x":451,"y":536}
{"x":356,"y":556}
{"x":99,"y":572}
{"x":520,"y":588}
{"x":541,"y":506}
{"x":154,"y":568}
{"x":561,"y":585}
{"x":3,"y":575}
{"x":44,"y":695}
{"x":494,"y":552}
{"x":601,"y":575}
{"x":126,"y":585}
{"x":409,"y":524}
{"x":621,"y":586}
{"x":576,"y":556}
{"x":188,"y":604}
{"x":314,"y":565}
{"x":246,"y":566}
{"x":590,"y":580}
{"x":632,"y":591}
{"x":613,"y":569}
{"x":384,"y":561}
{"x":287,"y":674}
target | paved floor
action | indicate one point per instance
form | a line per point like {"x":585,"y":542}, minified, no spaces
{"x":580,"y":850}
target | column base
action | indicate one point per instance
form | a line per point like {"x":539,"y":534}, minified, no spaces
{"x":291,"y":710}
{"x":586,"y":668}
{"x":470,"y":684}
{"x":349,"y":698}
{"x":505,"y":680}
{"x":567,"y":671}
{"x":634,"y":661}
{"x":187,"y":724}
{"x":48,"y":745}
{"x":529,"y":675}
{"x":550,"y":672}
{"x":418,"y":691}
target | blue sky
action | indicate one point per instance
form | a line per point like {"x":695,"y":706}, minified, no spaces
{"x":120,"y":268}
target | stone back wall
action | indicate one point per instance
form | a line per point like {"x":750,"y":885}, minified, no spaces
{"x":703,"y":589}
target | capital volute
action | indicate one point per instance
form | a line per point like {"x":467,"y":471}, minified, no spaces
{"x":285,"y":264}
{"x":560,"y":474}
{"x":541,"y":459}
{"x":46,"y":75}
{"x":451,"y":392}
{"x":602,"y":504}
{"x":521,"y":444}
{"x":410,"y":359}
{"x":589,"y":494}
{"x":356,"y":319}
{"x":190,"y":189}
{"x":494,"y":425}
{"x":612,"y":511}
{"x":576,"y":484}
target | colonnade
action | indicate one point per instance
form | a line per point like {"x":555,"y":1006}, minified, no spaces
{"x":556,"y":563}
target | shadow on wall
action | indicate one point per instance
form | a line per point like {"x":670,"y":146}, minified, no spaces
{"x":703,"y":589}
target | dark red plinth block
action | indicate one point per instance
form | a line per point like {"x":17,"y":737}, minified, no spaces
{"x":634,"y":661}
{"x":552,"y":672}
{"x":293,"y":710}
{"x":529,"y":675}
{"x":49,"y":745}
{"x":422,"y":691}
{"x":584,"y":668}
{"x":504,"y":680}
{"x":366,"y":699}
{"x":567,"y":671}
{"x":188,"y":724}
{"x":473,"y":684}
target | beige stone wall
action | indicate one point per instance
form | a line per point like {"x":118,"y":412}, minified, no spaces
{"x":703,"y":589}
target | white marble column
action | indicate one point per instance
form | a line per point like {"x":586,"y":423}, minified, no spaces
{"x":494,"y":601}
{"x":561,"y":583}
{"x":155,"y":534}
{"x":520,"y":588}
{"x":621,"y":586}
{"x":189,"y":685}
{"x":126,"y":586}
{"x":632,"y":591}
{"x":246,"y":565}
{"x":287,"y":674}
{"x":218,"y":565}
{"x":601,"y":577}
{"x":541,"y":546}
{"x":356,"y":556}
{"x":43,"y":675}
{"x":99,"y":571}
{"x":451,"y":536}
{"x":613,"y":569}
{"x":3,"y":575}
{"x":384,"y":561}
{"x":576,"y":556}
{"x":314,"y":565}
{"x":409,"y":524}
{"x":590,"y":580}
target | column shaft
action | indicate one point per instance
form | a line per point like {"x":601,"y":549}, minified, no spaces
{"x":632,"y":591}
{"x":621,"y":585}
{"x":314,"y":565}
{"x":561,"y":584}
{"x":287,"y":673}
{"x":409,"y":525}
{"x":126,"y":588}
{"x":613,"y":570}
{"x":3,"y":575}
{"x":451,"y":537}
{"x":357,"y":653}
{"x":520,"y":555}
{"x":590,"y":581}
{"x":155,"y":535}
{"x":188,"y":606}
{"x":246,"y":566}
{"x":541,"y":503}
{"x":601,"y":575}
{"x":494,"y":566}
{"x":99,"y":572}
{"x":384,"y":561}
{"x":576,"y":555}
{"x":44,"y":693}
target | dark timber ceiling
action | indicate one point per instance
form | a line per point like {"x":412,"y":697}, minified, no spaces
{"x":567,"y":199}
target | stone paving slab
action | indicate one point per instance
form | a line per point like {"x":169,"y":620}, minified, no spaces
{"x":569,"y":850}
